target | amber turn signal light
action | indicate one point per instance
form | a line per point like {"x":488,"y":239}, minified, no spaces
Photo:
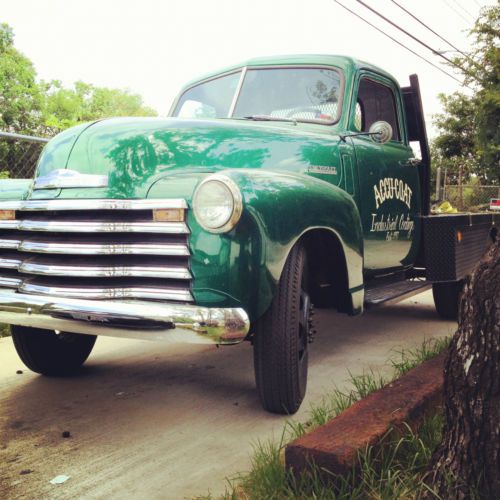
{"x":7,"y":214}
{"x":459,"y":236}
{"x":168,"y":215}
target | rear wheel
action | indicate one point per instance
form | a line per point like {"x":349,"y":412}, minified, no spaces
{"x":281,"y":340}
{"x":446,"y":298}
{"x":51,"y":353}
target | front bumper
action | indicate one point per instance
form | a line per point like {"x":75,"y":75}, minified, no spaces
{"x":127,"y":319}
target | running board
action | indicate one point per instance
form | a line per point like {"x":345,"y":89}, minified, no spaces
{"x":390,"y":293}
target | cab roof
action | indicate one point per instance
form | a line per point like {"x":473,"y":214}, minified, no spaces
{"x":345,"y":63}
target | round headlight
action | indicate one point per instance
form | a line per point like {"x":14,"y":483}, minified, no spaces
{"x":217,"y":204}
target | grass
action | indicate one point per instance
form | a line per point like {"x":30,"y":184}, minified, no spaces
{"x":395,"y":470}
{"x":4,"y":330}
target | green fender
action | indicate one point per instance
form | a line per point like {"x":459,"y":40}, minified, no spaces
{"x":14,"y":189}
{"x":241,"y":268}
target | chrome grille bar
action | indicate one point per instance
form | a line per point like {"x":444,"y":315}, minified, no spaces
{"x":96,"y":249}
{"x":7,"y":281}
{"x":171,"y":249}
{"x":102,"y":271}
{"x":176,"y":294}
{"x":93,"y":204}
{"x":10,"y":262}
{"x":95,"y":227}
{"x":9,"y":244}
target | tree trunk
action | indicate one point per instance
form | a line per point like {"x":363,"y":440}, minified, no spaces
{"x":467,"y":463}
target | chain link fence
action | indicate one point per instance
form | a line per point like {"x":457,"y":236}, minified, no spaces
{"x":19,"y":155}
{"x":470,"y":198}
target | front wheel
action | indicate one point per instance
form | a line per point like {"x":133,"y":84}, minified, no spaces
{"x":446,"y":298}
{"x":281,"y":340}
{"x":51,"y":353}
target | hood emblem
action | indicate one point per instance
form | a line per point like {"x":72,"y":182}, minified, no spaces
{"x":63,"y":178}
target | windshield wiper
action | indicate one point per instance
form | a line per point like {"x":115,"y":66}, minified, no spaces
{"x":268,"y":118}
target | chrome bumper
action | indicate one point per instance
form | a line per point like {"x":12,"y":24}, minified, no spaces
{"x":127,"y":319}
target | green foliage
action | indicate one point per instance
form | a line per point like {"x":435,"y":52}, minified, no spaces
{"x":46,"y":108}
{"x":65,"y":107}
{"x":20,"y":95}
{"x":469,"y":132}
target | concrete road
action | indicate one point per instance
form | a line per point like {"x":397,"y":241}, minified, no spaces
{"x":171,"y":421}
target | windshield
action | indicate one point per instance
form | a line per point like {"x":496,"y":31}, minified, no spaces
{"x":301,"y":94}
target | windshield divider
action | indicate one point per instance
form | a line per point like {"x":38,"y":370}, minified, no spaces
{"x":237,"y":93}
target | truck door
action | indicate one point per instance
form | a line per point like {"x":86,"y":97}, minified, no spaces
{"x":388,"y":177}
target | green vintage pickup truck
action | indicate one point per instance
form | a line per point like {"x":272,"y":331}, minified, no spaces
{"x":275,"y":185}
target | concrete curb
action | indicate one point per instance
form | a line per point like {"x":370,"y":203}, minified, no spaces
{"x":334,"y":445}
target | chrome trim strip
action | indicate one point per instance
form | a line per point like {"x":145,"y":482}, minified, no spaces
{"x":77,"y":248}
{"x":66,"y":178}
{"x":9,"y":282}
{"x":94,"y":204}
{"x":137,"y":292}
{"x":127,"y":319}
{"x":97,"y":227}
{"x":181,"y":273}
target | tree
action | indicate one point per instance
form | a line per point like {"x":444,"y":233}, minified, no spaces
{"x":469,"y":135}
{"x":65,"y":107}
{"x":20,"y":96}
{"x":467,"y":463}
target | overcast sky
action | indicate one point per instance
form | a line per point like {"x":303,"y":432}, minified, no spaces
{"x":153,"y":47}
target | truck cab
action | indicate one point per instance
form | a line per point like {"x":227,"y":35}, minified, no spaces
{"x":273,"y":186}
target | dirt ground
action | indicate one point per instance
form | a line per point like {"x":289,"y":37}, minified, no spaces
{"x":172,"y":421}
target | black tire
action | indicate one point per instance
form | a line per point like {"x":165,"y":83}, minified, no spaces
{"x":447,"y":298}
{"x":51,"y":353}
{"x":281,"y":340}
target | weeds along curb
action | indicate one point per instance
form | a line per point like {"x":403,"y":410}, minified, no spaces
{"x":334,"y":446}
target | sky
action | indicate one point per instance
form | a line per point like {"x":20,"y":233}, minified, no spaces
{"x":153,"y":47}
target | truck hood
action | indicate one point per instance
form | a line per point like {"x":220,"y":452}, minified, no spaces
{"x":136,"y":152}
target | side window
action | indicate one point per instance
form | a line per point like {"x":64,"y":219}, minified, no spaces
{"x":375,"y":102}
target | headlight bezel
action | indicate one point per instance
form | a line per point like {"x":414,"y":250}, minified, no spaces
{"x":237,"y":202}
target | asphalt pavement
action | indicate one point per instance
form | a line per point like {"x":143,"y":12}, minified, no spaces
{"x":170,"y":421}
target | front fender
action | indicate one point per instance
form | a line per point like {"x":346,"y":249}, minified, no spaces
{"x":14,"y":189}
{"x":242,"y":268}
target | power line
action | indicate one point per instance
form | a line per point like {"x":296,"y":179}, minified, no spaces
{"x":429,"y":28}
{"x":458,"y":13}
{"x":434,"y":51}
{"x":398,"y":42}
{"x":456,"y":2}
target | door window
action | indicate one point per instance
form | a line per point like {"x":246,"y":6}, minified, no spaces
{"x":376,"y":102}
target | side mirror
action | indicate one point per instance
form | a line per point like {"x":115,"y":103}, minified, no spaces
{"x":380,"y":132}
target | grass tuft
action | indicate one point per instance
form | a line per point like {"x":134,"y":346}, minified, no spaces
{"x":4,"y":330}
{"x":395,"y":469}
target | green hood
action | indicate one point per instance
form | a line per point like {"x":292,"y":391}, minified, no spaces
{"x":134,"y":153}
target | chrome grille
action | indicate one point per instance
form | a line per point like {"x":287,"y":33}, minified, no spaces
{"x":95,"y":249}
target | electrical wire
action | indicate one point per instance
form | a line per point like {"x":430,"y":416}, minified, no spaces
{"x":429,"y":28}
{"x":456,"y":2}
{"x":449,"y":5}
{"x":398,"y":42}
{"x":434,"y":51}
